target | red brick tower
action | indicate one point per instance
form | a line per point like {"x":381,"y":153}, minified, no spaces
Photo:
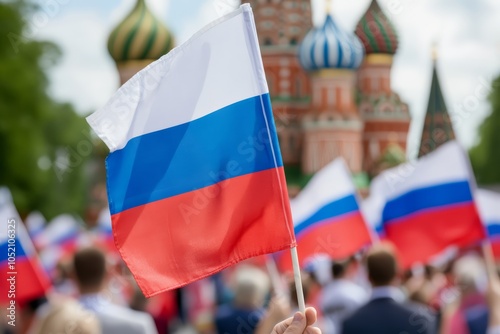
{"x":281,"y":26}
{"x":386,"y":117}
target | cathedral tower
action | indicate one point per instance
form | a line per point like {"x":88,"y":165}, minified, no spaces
{"x":386,"y":117}
{"x":333,"y":127}
{"x":438,"y":127}
{"x":138,"y":40}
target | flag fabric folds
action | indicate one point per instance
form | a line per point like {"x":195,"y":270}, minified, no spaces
{"x":326,"y":215}
{"x":429,"y":205}
{"x":195,"y":176}
{"x":23,"y":277}
{"x":488,"y":205}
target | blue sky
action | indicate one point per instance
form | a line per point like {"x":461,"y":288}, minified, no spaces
{"x":467,"y":33}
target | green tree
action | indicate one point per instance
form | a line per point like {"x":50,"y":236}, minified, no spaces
{"x":44,"y":144}
{"x":485,"y":156}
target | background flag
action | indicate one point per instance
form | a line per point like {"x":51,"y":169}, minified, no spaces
{"x":195,"y":176}
{"x":35,"y":223}
{"x":429,"y":205}
{"x":63,"y":231}
{"x":22,"y":275}
{"x":488,"y":204}
{"x":327,"y":218}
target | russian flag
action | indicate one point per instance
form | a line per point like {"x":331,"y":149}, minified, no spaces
{"x":327,"y":218}
{"x":372,"y":208}
{"x":35,"y":224}
{"x":22,"y":275}
{"x":63,"y":231}
{"x":488,"y":204}
{"x":194,"y":176}
{"x":429,"y":205}
{"x":103,"y":231}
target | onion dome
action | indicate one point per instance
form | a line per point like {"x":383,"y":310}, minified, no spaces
{"x":330,"y":47}
{"x":376,"y":32}
{"x":140,"y":36}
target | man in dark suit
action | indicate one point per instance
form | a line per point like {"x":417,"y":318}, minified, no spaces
{"x":387,"y":312}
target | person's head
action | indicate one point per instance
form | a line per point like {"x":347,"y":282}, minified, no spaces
{"x":251,"y":285}
{"x":318,"y":267}
{"x":89,"y":265}
{"x":344,"y":269}
{"x":339,"y":269}
{"x":470,"y":274}
{"x":382,"y":266}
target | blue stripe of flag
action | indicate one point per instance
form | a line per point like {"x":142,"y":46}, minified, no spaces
{"x":331,"y":210}
{"x":230,"y":142}
{"x":427,"y":198}
{"x":493,"y":229}
{"x":5,"y":250}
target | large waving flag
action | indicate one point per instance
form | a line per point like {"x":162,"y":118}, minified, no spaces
{"x":22,"y":275}
{"x":429,"y":205}
{"x":488,"y":204}
{"x":327,"y":218}
{"x":195,"y":176}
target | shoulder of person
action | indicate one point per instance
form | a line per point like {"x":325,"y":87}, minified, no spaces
{"x":419,"y":309}
{"x":135,"y":320}
{"x":421,"y":316}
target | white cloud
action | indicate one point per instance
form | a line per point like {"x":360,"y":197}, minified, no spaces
{"x":86,"y":75}
{"x":158,"y":7}
{"x":209,"y":11}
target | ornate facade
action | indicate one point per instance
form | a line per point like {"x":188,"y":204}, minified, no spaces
{"x":331,"y":88}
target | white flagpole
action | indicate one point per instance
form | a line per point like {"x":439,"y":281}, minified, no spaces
{"x":298,"y":280}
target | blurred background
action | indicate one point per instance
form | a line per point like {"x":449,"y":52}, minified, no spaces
{"x":408,"y":76}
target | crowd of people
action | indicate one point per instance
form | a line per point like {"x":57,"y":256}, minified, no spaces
{"x":367,"y":293}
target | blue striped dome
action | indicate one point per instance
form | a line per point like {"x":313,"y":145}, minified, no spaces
{"x":330,"y":47}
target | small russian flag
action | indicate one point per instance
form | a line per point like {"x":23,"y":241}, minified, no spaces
{"x":327,"y":218}
{"x":488,"y":204}
{"x":429,"y":205}
{"x":22,"y":275}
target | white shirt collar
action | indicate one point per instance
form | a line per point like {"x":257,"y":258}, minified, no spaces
{"x":388,"y":292}
{"x":93,"y":301}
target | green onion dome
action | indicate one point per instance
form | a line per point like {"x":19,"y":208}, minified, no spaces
{"x":376,"y":32}
{"x":140,"y":36}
